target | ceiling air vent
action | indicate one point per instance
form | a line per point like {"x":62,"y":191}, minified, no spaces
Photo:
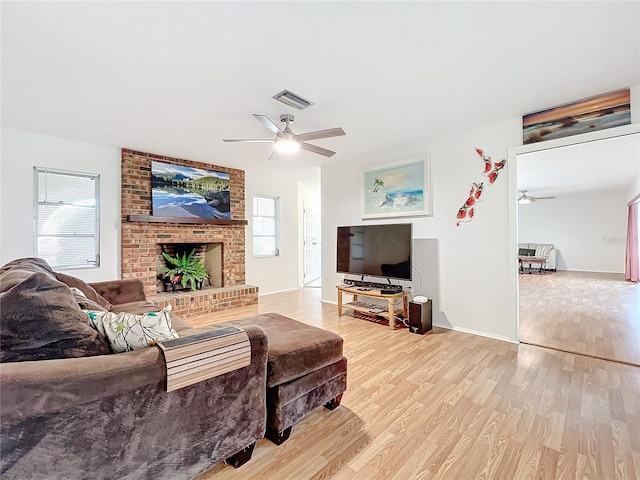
{"x":293,"y":100}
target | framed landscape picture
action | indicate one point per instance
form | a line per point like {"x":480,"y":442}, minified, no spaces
{"x":588,"y":115}
{"x":179,"y":191}
{"x":401,"y":190}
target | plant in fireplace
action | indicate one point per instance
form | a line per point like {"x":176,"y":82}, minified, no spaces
{"x":185,"y":270}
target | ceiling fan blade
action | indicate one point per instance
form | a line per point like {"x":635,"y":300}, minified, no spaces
{"x":542,"y":198}
{"x":249,"y":140}
{"x":269,"y":124}
{"x":329,"y":132}
{"x":315,"y":149}
{"x":274,"y":155}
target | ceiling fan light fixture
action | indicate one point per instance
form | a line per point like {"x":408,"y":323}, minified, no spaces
{"x":287,"y":145}
{"x":292,"y":99}
{"x":524,"y":200}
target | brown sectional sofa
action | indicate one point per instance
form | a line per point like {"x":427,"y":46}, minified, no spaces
{"x":107,"y":416}
{"x":70,"y":409}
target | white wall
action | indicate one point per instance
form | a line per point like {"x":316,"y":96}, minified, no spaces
{"x":464,"y":269}
{"x":281,"y":273}
{"x":21,"y":151}
{"x":634,"y":189}
{"x":588,"y":231}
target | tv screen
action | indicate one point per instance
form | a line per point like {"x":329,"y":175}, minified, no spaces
{"x":180,"y":191}
{"x":375,"y":250}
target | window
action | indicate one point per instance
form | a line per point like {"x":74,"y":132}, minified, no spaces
{"x":66,"y":218}
{"x":265,"y":226}
{"x":357,"y":247}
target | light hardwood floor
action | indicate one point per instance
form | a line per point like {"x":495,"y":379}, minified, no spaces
{"x":451,"y":405}
{"x":595,"y":314}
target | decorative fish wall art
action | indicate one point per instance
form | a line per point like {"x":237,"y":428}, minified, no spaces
{"x":491,"y":170}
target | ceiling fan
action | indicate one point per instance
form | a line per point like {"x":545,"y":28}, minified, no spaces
{"x":288,"y":142}
{"x":524,"y":198}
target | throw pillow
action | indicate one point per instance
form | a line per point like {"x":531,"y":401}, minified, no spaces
{"x":41,"y":321}
{"x":127,"y":331}
{"x":543,"y":251}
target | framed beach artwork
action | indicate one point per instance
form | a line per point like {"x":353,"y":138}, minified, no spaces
{"x":401,"y":190}
{"x":588,"y":115}
{"x":180,"y":191}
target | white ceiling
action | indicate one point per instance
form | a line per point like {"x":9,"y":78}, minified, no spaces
{"x":177,"y":77}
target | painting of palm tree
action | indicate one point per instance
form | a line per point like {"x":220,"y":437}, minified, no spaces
{"x":400,"y":190}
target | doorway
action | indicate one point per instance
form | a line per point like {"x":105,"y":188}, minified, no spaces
{"x":582,"y":308}
{"x":312,"y":260}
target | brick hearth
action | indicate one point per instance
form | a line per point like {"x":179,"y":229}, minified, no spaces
{"x":139,"y":239}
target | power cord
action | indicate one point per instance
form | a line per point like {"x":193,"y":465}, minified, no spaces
{"x":419,"y":280}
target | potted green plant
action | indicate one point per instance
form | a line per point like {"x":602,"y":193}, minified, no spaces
{"x":186,"y":270}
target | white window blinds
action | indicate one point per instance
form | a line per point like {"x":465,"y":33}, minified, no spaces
{"x":66,"y":218}
{"x":265,"y":226}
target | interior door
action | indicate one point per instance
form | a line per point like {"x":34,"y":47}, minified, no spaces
{"x":311,"y":247}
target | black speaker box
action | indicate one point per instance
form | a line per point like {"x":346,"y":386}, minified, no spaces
{"x":420,"y":317}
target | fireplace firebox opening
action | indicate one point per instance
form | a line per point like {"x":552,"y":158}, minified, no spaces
{"x":210,"y":253}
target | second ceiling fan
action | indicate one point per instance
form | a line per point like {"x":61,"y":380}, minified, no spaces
{"x":524,"y":198}
{"x":288,"y":142}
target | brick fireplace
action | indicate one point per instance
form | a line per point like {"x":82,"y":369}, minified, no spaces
{"x":144,"y":238}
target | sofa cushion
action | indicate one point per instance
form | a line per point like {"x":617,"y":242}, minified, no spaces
{"x":40,"y":320}
{"x":295,"y":348}
{"x":85,"y":288}
{"x":83,"y":302}
{"x":139,"y":307}
{"x":127,"y":331}
{"x":526,"y":252}
{"x":543,"y":250}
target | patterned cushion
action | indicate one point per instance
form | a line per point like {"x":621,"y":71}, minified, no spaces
{"x":127,"y":331}
{"x":543,"y":250}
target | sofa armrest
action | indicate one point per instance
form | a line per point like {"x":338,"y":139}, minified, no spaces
{"x":38,"y":387}
{"x":552,"y":260}
{"x":121,"y":291}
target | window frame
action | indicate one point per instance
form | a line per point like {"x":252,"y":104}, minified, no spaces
{"x":37,"y":171}
{"x":276,"y":217}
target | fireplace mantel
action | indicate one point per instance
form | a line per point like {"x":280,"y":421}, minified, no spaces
{"x":184,"y":220}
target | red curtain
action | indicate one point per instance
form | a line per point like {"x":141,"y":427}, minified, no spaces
{"x":633,"y":263}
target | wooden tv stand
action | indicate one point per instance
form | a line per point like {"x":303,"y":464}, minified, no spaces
{"x":375,"y":293}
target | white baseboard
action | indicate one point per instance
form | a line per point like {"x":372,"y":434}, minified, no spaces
{"x":331,"y":302}
{"x":590,"y":271}
{"x":476,"y":332}
{"x":261,"y":294}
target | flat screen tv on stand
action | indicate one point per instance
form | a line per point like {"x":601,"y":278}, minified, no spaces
{"x":382,"y":251}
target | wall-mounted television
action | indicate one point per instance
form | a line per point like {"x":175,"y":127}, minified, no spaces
{"x":375,"y":250}
{"x":181,"y":191}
